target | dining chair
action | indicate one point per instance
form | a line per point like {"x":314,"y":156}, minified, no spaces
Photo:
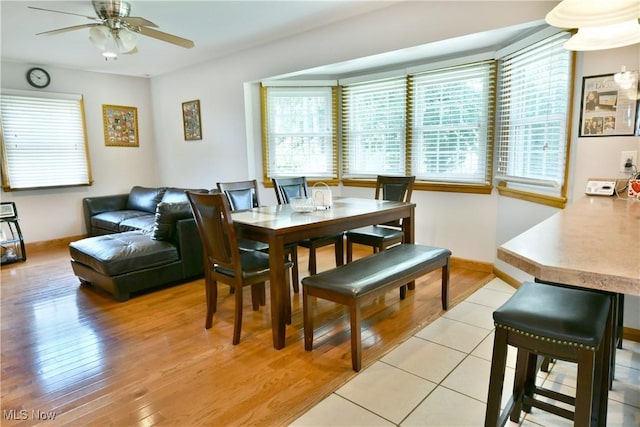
{"x":383,"y":236}
{"x":244,"y":195}
{"x":288,"y":188}
{"x":224,"y":262}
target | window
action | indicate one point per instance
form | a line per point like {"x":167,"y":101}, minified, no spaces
{"x":534,"y":96}
{"x":43,"y":140}
{"x":456,"y":125}
{"x":374,"y":128}
{"x":300,"y":132}
{"x":452,"y":125}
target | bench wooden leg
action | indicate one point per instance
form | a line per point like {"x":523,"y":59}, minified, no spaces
{"x":356,"y":336}
{"x":307,"y":319}
{"x":445,"y":285}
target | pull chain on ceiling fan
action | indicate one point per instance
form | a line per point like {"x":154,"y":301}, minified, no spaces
{"x":114,"y":31}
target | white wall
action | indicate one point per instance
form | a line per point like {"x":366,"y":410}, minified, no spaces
{"x":600,"y":157}
{"x":57,"y":213}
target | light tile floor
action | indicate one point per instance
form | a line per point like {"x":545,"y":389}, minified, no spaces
{"x":440,"y":377}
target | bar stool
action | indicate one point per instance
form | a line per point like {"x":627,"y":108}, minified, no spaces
{"x":561,"y":323}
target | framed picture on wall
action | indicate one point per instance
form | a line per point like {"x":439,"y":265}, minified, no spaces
{"x":191,"y":120}
{"x":609,"y":105}
{"x":120,"y":125}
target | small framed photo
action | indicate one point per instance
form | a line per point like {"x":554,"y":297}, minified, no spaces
{"x":609,"y":105}
{"x":120,"y":126}
{"x":191,"y":120}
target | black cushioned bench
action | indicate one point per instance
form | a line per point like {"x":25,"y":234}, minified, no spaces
{"x":367,"y":278}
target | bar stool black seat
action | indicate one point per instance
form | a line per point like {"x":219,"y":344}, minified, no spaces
{"x":562,"y":323}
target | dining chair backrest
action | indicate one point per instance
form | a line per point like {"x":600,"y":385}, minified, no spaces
{"x":394,"y":188}
{"x":242,"y":195}
{"x":213,"y":218}
{"x":288,"y":188}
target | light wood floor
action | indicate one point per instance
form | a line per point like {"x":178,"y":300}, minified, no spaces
{"x":71,"y":352}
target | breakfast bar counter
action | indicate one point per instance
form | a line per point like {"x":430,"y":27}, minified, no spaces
{"x":592,"y":243}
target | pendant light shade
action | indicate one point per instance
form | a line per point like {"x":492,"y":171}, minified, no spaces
{"x":601,"y":24}
{"x":592,"y":13}
{"x":126,"y":40}
{"x":605,"y":37}
{"x":98,"y":36}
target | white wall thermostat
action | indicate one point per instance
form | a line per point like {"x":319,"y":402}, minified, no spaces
{"x":600,"y":188}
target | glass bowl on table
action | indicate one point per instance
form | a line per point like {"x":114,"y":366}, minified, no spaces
{"x":302,"y":204}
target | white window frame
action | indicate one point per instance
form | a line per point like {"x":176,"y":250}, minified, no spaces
{"x":306,"y":148}
{"x":533,"y":139}
{"x":442,"y":106}
{"x":374,"y":128}
{"x":44,"y":141}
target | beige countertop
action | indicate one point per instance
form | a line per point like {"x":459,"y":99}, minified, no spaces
{"x":592,"y":243}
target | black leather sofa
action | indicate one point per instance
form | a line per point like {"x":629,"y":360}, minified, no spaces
{"x":140,"y":240}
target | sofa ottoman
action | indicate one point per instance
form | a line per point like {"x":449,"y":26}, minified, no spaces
{"x":125,"y":262}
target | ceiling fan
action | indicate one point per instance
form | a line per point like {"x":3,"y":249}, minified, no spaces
{"x":114,"y":31}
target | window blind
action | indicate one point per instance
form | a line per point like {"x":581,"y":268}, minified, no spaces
{"x":452,"y":126}
{"x":374,"y":128}
{"x":44,"y":142}
{"x":300,"y":131}
{"x":533,"y":109}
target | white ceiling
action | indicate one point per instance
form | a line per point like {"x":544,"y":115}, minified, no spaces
{"x":217,"y":27}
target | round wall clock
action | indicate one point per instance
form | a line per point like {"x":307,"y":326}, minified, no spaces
{"x":39,"y":78}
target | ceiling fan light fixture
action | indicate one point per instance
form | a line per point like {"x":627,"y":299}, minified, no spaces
{"x":605,"y":37}
{"x":111,"y":49}
{"x":125,"y":39}
{"x":114,"y":31}
{"x":98,"y":36}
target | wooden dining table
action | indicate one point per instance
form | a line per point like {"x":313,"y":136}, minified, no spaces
{"x":279,"y":225}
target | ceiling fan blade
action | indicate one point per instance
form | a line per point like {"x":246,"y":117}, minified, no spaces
{"x":93,"y":18}
{"x":65,"y":29}
{"x":136,"y":21}
{"x":166,"y":37}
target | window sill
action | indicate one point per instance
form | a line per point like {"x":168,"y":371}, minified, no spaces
{"x":553,"y":201}
{"x":268,"y":183}
{"x":427,"y":186}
